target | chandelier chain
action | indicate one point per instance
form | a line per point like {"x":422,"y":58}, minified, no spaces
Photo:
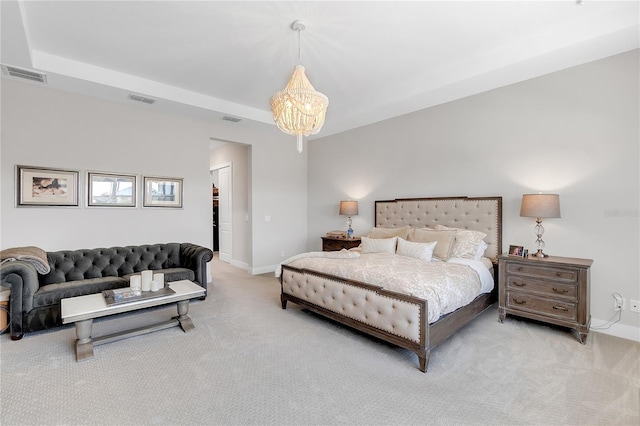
{"x":299,"y":30}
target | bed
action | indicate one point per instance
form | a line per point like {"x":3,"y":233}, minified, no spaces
{"x":400,"y":317}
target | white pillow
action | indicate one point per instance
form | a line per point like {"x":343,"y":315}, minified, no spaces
{"x":467,"y":241}
{"x":482,"y":247}
{"x":378,"y":245}
{"x":422,"y":251}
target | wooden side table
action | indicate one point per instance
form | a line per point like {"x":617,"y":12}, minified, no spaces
{"x":337,"y":244}
{"x":553,"y":289}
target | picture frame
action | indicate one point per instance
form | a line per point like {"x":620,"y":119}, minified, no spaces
{"x":162,"y":192}
{"x":516,"y":251}
{"x":111,"y":190}
{"x":46,"y":187}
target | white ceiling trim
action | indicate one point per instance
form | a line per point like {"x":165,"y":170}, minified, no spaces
{"x":154,"y":89}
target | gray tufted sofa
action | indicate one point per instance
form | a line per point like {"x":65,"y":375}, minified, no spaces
{"x":35,"y":299}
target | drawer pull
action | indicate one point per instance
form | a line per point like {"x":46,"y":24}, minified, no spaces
{"x":519,"y":284}
{"x":519,"y":302}
{"x":560,"y":308}
{"x":561,"y":291}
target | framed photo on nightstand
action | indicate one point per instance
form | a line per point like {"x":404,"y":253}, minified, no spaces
{"x":516,"y":251}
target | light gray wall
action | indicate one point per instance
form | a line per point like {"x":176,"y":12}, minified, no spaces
{"x":573,"y":132}
{"x":49,"y":128}
{"x":277,"y":189}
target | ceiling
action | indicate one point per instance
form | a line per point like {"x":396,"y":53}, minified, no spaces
{"x":374,"y":60}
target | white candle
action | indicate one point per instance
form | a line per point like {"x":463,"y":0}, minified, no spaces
{"x":155,"y":285}
{"x":147,"y":277}
{"x":135,"y":281}
{"x":160,"y":278}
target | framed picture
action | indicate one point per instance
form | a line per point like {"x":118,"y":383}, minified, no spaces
{"x":516,"y":251}
{"x":162,"y":192}
{"x":44,"y":186}
{"x":111,"y":189}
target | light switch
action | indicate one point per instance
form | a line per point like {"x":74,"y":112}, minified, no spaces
{"x":267,"y":218}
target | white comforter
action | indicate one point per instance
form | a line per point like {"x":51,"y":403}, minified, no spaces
{"x":445,"y":285}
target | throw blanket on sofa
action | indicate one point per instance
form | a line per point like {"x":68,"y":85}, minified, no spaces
{"x":34,"y":255}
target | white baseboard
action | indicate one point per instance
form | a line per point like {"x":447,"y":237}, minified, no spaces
{"x":253,"y":271}
{"x":619,"y":330}
{"x":241,"y":265}
{"x":263,"y":270}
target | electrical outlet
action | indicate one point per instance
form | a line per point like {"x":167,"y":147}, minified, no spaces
{"x":634,"y":305}
{"x":281,"y":253}
{"x":618,"y":301}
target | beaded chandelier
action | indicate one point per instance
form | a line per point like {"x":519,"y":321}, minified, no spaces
{"x":299,"y":110}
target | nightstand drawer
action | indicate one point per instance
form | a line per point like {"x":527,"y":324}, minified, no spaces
{"x":548,"y":288}
{"x":337,"y":244}
{"x":556,"y":274}
{"x":538,"y":305}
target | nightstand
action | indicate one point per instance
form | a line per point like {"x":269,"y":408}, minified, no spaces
{"x":553,"y":289}
{"x":337,"y":244}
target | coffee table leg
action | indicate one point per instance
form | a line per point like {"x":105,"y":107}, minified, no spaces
{"x":183,"y":318}
{"x":84,"y":344}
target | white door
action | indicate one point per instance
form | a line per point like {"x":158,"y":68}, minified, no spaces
{"x":224,"y":214}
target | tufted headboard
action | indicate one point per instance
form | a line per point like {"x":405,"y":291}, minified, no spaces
{"x":482,"y":214}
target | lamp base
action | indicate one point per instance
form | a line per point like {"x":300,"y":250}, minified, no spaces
{"x":540,"y":254}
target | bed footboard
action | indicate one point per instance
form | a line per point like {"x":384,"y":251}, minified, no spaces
{"x":394,"y":317}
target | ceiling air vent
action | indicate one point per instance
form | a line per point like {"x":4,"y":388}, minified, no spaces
{"x":232,"y":119}
{"x":26,"y":74}
{"x":142,"y":99}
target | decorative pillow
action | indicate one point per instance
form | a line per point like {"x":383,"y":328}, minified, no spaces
{"x":380,"y":232}
{"x":445,"y":241}
{"x":378,"y":245}
{"x":422,"y":251}
{"x":467,"y":242}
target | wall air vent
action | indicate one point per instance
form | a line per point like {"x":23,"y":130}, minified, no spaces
{"x":139,"y":98}
{"x":26,"y":74}
{"x":232,"y":119}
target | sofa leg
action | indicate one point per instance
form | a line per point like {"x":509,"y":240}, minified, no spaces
{"x":17,"y":337}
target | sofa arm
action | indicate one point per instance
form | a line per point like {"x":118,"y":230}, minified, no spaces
{"x":196,"y":257}
{"x":22,"y":278}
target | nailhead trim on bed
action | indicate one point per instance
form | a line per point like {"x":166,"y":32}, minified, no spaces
{"x":398,"y":317}
{"x":479,"y":214}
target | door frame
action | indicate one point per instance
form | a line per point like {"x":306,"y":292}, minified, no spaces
{"x":230,"y":198}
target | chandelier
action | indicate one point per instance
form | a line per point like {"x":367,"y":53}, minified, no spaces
{"x":299,"y":110}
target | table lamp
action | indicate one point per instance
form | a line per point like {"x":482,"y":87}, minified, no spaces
{"x":540,"y":206}
{"x":349,"y":208}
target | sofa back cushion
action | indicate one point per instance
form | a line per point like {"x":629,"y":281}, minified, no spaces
{"x":73,"y":265}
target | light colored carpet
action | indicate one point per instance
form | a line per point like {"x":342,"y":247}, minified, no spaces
{"x":250,"y":362}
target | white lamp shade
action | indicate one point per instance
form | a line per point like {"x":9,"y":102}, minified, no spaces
{"x":540,"y":205}
{"x":348,"y":208}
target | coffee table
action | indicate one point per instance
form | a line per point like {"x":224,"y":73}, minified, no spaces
{"x":82,"y":310}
